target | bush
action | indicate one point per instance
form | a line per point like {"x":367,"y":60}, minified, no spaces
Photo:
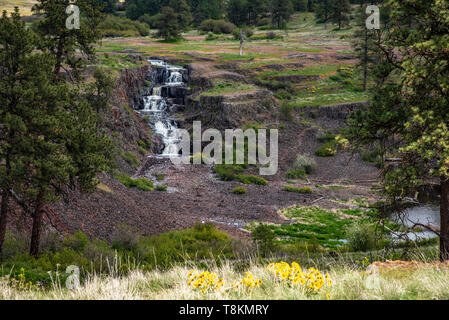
{"x":239,"y":190}
{"x":125,"y":238}
{"x":251,"y":179}
{"x":113,"y":26}
{"x":161,"y":187}
{"x":217,"y":26}
{"x":263,"y":237}
{"x":211,"y":36}
{"x":298,"y":190}
{"x":327,"y":150}
{"x":306,"y":163}
{"x":141,"y":183}
{"x":296,"y":174}
{"x":361,"y":236}
{"x":131,"y":158}
{"x":150,"y":20}
{"x":286,"y":111}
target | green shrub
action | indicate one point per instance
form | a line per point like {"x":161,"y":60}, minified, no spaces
{"x":161,"y":187}
{"x":263,"y":237}
{"x":361,"y":236}
{"x":216,"y":26}
{"x":141,"y":183}
{"x":296,"y":174}
{"x":298,"y":190}
{"x":286,"y":111}
{"x":211,"y":36}
{"x":159,"y":176}
{"x":251,"y":179}
{"x":131,"y":158}
{"x":239,"y":190}
{"x":113,"y":26}
{"x":328,"y":137}
{"x":125,"y":238}
{"x":306,"y":163}
{"x":329,"y":149}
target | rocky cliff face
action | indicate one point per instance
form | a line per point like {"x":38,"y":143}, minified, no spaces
{"x":228,"y":110}
{"x":126,"y":127}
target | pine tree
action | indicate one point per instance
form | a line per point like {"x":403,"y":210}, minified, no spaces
{"x":183,"y":11}
{"x":168,"y":25}
{"x":411,"y":101}
{"x":17,"y":44}
{"x":64,"y":43}
{"x":323,"y":10}
{"x":238,"y":12}
{"x":50,"y":135}
{"x":339,"y":12}
{"x":281,"y":11}
{"x":364,"y":45}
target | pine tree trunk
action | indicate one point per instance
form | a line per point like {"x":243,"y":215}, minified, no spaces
{"x":3,"y":220}
{"x":444,"y":213}
{"x":37,"y":226}
{"x":365,"y":61}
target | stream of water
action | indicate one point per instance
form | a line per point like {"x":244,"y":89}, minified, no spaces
{"x":156,"y":107}
{"x":426,"y":214}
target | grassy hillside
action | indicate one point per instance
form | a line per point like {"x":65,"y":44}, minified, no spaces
{"x":24,"y":6}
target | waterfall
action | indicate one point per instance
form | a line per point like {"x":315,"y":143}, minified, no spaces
{"x":155,"y":106}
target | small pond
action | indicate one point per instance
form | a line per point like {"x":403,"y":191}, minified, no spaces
{"x":426,"y":214}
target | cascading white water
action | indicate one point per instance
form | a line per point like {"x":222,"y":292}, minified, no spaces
{"x":155,"y":106}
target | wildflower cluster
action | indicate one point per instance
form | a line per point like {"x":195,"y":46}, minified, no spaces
{"x":20,"y":282}
{"x":205,"y":281}
{"x":248,"y":281}
{"x":346,"y":71}
{"x":312,"y":89}
{"x":312,"y":279}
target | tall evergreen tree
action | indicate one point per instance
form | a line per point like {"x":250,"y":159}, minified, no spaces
{"x":168,"y":24}
{"x":364,"y":44}
{"x":182,"y":8}
{"x":339,"y":12}
{"x":50,"y":131}
{"x":412,"y":99}
{"x":238,"y":12}
{"x":281,"y":11}
{"x":64,"y":43}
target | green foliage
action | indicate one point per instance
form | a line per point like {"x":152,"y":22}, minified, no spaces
{"x":216,"y":26}
{"x":315,"y":224}
{"x":280,"y":12}
{"x":251,"y":179}
{"x":296,"y":173}
{"x":52,"y":127}
{"x":114,"y":26}
{"x":141,"y":183}
{"x":163,"y":251}
{"x":62,"y":42}
{"x":286,"y":111}
{"x":263,"y":237}
{"x":361,"y":236}
{"x":298,"y":190}
{"x":168,"y":25}
{"x":239,"y":190}
{"x":161,"y":187}
{"x":131,"y":158}
{"x":329,"y":149}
